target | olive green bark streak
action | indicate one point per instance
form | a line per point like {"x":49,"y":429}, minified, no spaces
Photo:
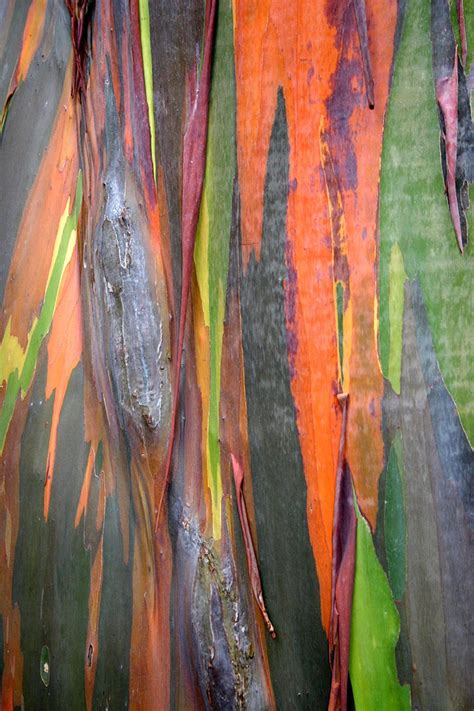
{"x":218,"y":189}
{"x":22,"y":381}
{"x":469,"y":23}
{"x":395,"y":521}
{"x":397,"y":278}
{"x":144,"y":12}
{"x":375,"y":628}
{"x":455,"y":24}
{"x":414,"y":215}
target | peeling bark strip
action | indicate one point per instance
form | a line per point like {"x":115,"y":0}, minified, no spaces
{"x":249,"y":547}
{"x":462,"y":30}
{"x":194,"y":165}
{"x":361,"y":18}
{"x":447,"y":97}
{"x":456,"y":128}
{"x":80,"y":11}
{"x":346,"y":251}
{"x":343,"y":552}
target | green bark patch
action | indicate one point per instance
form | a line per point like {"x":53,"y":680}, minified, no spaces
{"x":414,"y":215}
{"x":374,"y":633}
{"x":211,"y":253}
{"x":22,"y":381}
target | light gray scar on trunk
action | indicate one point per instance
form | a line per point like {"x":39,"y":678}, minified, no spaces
{"x":135,"y":340}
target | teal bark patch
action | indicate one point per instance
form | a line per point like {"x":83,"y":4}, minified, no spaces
{"x":395,"y":522}
{"x":52,"y":567}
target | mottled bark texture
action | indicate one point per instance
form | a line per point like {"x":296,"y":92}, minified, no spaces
{"x":236,"y":340}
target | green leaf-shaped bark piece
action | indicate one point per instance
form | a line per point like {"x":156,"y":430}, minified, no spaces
{"x":374,"y":633}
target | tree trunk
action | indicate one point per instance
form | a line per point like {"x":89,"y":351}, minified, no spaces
{"x":236,"y":354}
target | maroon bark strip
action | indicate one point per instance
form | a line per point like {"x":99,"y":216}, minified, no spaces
{"x":194,"y":164}
{"x":361,"y":19}
{"x":252,"y":563}
{"x":142,"y":146}
{"x":343,"y":563}
{"x":79,"y":11}
{"x":447,"y":97}
{"x":462,"y":30}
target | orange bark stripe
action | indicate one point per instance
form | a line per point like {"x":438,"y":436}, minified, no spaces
{"x":280,"y":44}
{"x":31,"y":38}
{"x":53,"y":187}
{"x":298,"y":47}
{"x":64,"y":353}
{"x":360,"y":204}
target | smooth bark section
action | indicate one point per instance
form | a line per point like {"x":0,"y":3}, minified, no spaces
{"x":111,"y":687}
{"x":439,"y":463}
{"x":176,"y":31}
{"x":28,"y":126}
{"x":298,"y":657}
{"x":448,"y":461}
{"x":421,"y":225}
{"x":51,"y":579}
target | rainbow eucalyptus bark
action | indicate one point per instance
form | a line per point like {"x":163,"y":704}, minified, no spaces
{"x":221,"y":221}
{"x":129,"y":358}
{"x":126,"y":315}
{"x":120,"y":614}
{"x":344,"y":536}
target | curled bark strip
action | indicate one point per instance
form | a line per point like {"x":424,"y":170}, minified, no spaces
{"x":361,"y":19}
{"x":252,"y":563}
{"x":194,"y":165}
{"x":462,"y":30}
{"x":80,"y":11}
{"x":6,"y":106}
{"x":343,"y":560}
{"x":447,"y":97}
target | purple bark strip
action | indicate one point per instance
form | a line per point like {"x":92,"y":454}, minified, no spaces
{"x":462,"y":30}
{"x":447,"y":97}
{"x":343,"y":563}
{"x":361,"y":19}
